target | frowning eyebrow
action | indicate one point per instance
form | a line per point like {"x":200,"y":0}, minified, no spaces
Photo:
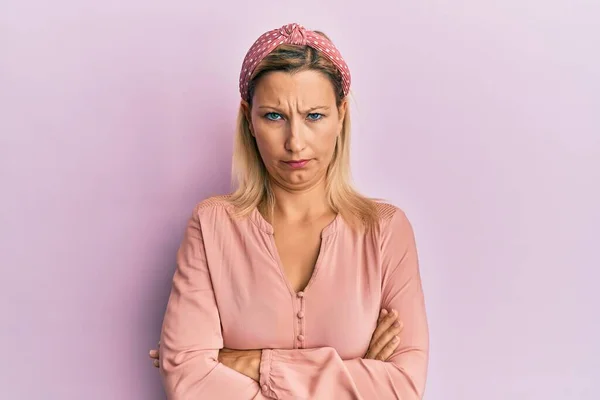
{"x":323,"y":108}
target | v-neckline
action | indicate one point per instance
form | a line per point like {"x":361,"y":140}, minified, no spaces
{"x":326,"y":232}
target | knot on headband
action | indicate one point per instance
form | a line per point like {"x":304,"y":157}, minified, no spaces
{"x":293,"y":34}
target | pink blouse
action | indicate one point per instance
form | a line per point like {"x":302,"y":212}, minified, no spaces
{"x":229,"y":290}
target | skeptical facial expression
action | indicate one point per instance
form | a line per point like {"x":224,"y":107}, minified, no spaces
{"x":296,"y":123}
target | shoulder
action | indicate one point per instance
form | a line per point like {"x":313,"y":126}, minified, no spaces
{"x":213,"y":206}
{"x":214,"y":202}
{"x":387,"y":212}
{"x":393,"y":220}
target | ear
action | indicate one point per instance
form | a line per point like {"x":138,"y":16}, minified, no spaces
{"x":342,"y":113}
{"x":248,"y":114}
{"x":342,"y":109}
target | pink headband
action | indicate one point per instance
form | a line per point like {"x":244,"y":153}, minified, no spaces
{"x":290,"y":34}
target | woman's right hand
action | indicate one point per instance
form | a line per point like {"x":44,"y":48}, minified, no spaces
{"x":385,"y":339}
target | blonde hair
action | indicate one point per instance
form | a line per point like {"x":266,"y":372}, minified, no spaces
{"x":250,"y":176}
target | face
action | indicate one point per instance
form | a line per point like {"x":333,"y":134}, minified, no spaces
{"x":295,"y":121}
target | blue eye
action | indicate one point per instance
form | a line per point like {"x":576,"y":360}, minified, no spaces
{"x":273,"y":116}
{"x":315,"y":116}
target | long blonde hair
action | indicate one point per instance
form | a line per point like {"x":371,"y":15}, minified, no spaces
{"x":250,"y":176}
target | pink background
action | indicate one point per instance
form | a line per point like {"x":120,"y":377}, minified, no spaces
{"x":480,"y":118}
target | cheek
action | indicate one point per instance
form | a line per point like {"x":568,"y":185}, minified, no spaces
{"x":268,"y":145}
{"x":326,"y":138}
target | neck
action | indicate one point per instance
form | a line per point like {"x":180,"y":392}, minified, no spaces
{"x":300,"y":205}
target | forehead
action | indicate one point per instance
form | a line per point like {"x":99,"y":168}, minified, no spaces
{"x":307,"y":87}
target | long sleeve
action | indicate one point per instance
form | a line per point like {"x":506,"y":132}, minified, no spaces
{"x":191,"y":332}
{"x":321,"y":374}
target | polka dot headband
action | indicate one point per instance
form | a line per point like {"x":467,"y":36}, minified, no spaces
{"x":296,"y":35}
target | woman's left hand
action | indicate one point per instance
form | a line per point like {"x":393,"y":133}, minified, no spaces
{"x":155,"y":356}
{"x":246,"y":362}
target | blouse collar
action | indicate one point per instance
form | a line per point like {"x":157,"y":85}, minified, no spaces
{"x":266,"y":227}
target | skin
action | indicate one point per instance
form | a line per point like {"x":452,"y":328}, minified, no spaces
{"x":294,"y":116}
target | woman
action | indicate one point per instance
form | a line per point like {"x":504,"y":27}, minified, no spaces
{"x":295,"y":269}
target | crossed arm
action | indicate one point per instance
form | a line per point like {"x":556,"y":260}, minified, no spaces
{"x":384,"y":341}
{"x":194,"y":364}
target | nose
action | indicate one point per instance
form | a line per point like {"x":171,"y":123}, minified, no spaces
{"x":296,"y":140}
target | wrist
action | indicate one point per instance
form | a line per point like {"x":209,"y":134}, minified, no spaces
{"x":255,"y":357}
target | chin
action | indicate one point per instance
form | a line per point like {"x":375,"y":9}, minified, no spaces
{"x":296,"y":177}
{"x":299,"y":177}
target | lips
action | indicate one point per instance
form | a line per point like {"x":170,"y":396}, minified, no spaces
{"x":296,"y":163}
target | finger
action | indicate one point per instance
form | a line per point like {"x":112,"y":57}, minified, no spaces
{"x":156,"y":364}
{"x":382,"y":315}
{"x":159,"y":343}
{"x":388,"y":349}
{"x":153,"y":353}
{"x":384,"y":325}
{"x":377,"y":345}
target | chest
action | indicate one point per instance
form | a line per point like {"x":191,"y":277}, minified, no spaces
{"x":297,"y":290}
{"x":297,"y":250}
